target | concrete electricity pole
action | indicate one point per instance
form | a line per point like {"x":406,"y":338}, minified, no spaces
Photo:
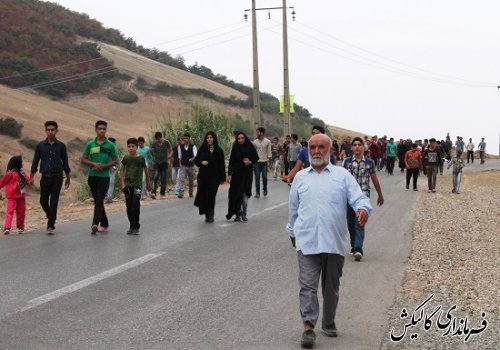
{"x":286,"y":79}
{"x":256,"y":90}
{"x":286,"y":83}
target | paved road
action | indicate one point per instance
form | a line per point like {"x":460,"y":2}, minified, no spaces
{"x":184,"y":284}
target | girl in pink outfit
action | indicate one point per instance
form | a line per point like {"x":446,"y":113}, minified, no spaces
{"x":15,"y":181}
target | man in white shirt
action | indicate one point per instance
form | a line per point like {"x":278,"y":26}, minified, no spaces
{"x":470,"y":151}
{"x":263,"y":146}
{"x":482,"y":149}
{"x":317,"y":227}
{"x":186,"y":152}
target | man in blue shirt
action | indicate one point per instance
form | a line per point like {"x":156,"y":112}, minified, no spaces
{"x":53,"y":158}
{"x":302,"y":157}
{"x":317,"y":228}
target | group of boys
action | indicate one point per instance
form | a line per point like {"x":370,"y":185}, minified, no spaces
{"x":101,"y":158}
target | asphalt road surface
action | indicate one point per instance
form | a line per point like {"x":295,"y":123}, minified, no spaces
{"x":185,"y":284}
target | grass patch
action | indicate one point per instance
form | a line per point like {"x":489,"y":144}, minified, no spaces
{"x":123,"y":96}
{"x":29,"y":143}
{"x":9,"y":126}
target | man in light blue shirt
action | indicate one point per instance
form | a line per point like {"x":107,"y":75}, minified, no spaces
{"x":144,"y":151}
{"x":317,"y":228}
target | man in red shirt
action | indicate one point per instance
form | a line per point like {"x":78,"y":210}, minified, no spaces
{"x":413,"y":162}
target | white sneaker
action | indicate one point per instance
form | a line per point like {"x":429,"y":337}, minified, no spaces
{"x":358,"y":256}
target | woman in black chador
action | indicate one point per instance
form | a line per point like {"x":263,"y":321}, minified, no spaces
{"x":212,"y":172}
{"x":240,"y":176}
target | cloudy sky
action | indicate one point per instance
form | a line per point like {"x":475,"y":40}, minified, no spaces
{"x":415,"y":69}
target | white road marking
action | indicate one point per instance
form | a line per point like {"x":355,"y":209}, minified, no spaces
{"x":33,"y":303}
{"x":257,"y":213}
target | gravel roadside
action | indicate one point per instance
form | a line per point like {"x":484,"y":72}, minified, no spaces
{"x":455,"y":259}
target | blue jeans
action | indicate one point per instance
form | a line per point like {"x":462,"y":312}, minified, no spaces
{"x":457,"y":178}
{"x":175,"y":178}
{"x":111,"y":188}
{"x":244,"y":204}
{"x":356,"y":231}
{"x":260,"y":168}
{"x":276,"y":168}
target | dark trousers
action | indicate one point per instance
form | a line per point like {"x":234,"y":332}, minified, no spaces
{"x":470,"y":156}
{"x":99,"y":187}
{"x":481,"y":155}
{"x":50,"y":188}
{"x":409,"y":174}
{"x":431,"y":176}
{"x":133,"y":203}
{"x":390,"y":164}
{"x":287,"y":167}
{"x":160,"y":173}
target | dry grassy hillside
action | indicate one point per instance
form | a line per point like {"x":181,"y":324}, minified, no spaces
{"x":340,"y":134}
{"x":137,"y":65}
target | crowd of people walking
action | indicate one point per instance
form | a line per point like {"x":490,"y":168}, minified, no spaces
{"x":330,"y":188}
{"x":248,"y":160}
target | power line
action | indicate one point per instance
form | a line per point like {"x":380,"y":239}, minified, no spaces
{"x":87,"y":74}
{"x":377,"y":64}
{"x":52,"y":68}
{"x":228,"y":40}
{"x":385,"y":67}
{"x":391,"y":59}
{"x":198,"y":34}
{"x":205,"y":39}
{"x":104,"y":71}
{"x":135,"y":51}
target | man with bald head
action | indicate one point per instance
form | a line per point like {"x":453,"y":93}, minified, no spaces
{"x":317,"y":228}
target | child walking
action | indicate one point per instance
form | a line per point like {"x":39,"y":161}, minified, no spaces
{"x":458,"y":164}
{"x":14,"y":181}
{"x":133,"y":165}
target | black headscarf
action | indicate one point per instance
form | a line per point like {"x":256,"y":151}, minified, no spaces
{"x":205,"y":146}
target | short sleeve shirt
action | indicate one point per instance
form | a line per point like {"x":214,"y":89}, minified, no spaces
{"x":303,"y":155}
{"x":362,"y":171}
{"x":99,"y":153}
{"x":160,"y":152}
{"x":391,"y":148}
{"x":134,"y":167}
{"x":276,"y":150}
{"x":144,"y":151}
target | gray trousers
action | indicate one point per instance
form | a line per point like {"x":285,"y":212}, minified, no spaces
{"x":183,"y":172}
{"x":311,"y":267}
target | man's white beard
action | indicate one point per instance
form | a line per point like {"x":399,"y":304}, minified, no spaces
{"x":320,"y":161}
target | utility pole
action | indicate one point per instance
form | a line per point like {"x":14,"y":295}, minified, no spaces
{"x":286,"y":83}
{"x":286,"y":79}
{"x":256,"y":90}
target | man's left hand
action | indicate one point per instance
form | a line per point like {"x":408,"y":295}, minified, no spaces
{"x":66,"y":182}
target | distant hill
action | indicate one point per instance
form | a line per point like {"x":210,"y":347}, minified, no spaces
{"x":54,"y":50}
{"x":140,"y":66}
{"x":76,"y":60}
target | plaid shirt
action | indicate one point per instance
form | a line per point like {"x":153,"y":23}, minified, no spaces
{"x":361,"y":171}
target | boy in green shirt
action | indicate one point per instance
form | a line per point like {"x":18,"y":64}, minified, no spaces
{"x":99,"y":155}
{"x":133,"y":165}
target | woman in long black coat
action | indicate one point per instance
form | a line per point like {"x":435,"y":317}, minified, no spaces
{"x":240,"y":176}
{"x":211,"y":173}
